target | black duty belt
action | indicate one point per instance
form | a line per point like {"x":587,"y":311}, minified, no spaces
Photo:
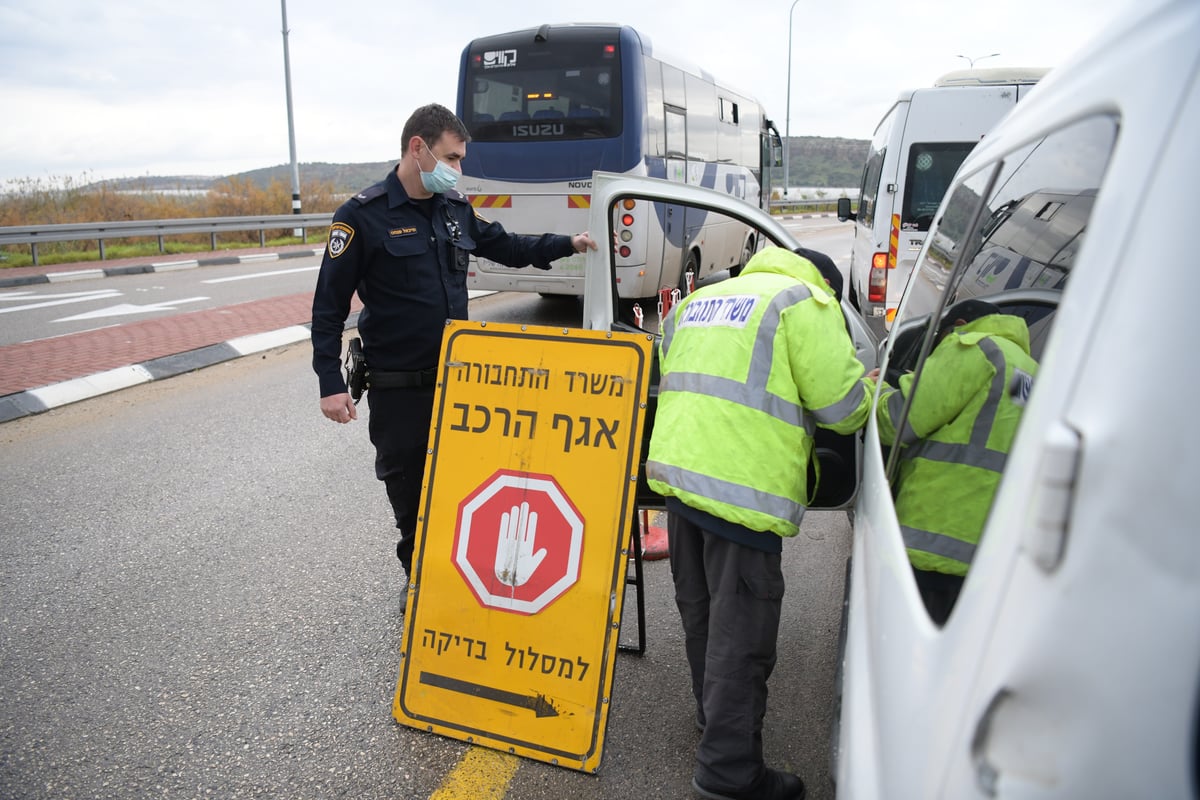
{"x":384,"y":379}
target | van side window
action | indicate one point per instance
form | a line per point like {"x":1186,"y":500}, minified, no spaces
{"x":868,"y":193}
{"x":964,"y":351}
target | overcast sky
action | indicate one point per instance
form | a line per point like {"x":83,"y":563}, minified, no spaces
{"x":129,"y":88}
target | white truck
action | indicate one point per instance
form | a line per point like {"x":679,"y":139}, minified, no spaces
{"x":916,"y":149}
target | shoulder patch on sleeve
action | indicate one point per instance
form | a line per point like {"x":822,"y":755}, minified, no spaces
{"x":340,"y":235}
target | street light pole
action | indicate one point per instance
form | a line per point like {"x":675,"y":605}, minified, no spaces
{"x":972,"y":61}
{"x":287,"y":80}
{"x":787,"y":122}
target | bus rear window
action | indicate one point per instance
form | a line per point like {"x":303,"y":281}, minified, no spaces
{"x":538,"y":92}
{"x":931,"y":167}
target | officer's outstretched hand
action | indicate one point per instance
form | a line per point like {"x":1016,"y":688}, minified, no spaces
{"x":339,"y":407}
{"x":582,"y":242}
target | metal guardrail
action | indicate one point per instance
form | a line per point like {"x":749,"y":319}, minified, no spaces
{"x":32,"y":235}
{"x":775,"y":205}
{"x":160,"y":228}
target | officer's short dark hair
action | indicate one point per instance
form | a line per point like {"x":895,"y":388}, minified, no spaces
{"x":826,"y":267}
{"x":430,"y":122}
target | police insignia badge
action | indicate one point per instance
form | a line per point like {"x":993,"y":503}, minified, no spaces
{"x":340,"y":235}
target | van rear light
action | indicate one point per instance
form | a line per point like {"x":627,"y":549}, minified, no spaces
{"x":879,"y":261}
{"x":877,"y":283}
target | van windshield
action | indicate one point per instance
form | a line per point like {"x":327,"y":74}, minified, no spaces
{"x":931,"y":167}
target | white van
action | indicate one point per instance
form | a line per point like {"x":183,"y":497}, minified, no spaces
{"x":1069,"y":666}
{"x":916,"y":149}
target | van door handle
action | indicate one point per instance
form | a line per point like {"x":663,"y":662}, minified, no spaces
{"x":987,"y":775}
{"x":1053,"y":495}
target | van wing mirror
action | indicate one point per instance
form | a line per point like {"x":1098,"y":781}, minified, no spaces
{"x":843,"y":210}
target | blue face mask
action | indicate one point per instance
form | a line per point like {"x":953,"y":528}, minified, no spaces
{"x":442,"y":179}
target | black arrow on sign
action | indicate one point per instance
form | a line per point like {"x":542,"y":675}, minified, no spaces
{"x":538,"y":704}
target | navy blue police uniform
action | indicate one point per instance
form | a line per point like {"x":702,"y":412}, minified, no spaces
{"x":407,"y":259}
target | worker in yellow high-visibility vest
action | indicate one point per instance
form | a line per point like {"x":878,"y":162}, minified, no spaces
{"x":956,"y":439}
{"x":749,"y":366}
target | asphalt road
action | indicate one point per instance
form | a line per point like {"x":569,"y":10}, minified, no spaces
{"x":199,"y":598}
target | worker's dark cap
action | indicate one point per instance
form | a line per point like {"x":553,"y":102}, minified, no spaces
{"x":829,"y":270}
{"x":968,"y":311}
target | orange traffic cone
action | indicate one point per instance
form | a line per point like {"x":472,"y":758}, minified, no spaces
{"x":654,"y":535}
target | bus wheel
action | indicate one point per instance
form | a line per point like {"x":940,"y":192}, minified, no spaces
{"x":747,"y":253}
{"x":693,"y":264}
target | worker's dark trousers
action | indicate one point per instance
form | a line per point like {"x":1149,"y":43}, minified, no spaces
{"x":399,"y":428}
{"x":729,"y":599}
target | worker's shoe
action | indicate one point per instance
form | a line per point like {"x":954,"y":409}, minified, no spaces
{"x":774,"y":785}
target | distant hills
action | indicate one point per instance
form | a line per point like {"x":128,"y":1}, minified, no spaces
{"x":830,"y":162}
{"x":816,"y":161}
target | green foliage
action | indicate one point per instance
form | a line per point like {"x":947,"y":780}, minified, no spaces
{"x":822,"y":161}
{"x":53,"y":201}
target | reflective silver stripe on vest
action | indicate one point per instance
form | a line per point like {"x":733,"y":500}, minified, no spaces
{"x":938,"y":544}
{"x":727,"y":492}
{"x":753,"y":393}
{"x":843,"y":408}
{"x":975,"y":453}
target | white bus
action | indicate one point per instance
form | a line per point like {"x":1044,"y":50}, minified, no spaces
{"x":548,"y":106}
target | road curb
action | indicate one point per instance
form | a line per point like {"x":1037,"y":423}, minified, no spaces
{"x":55,"y":395}
{"x":158,"y":266}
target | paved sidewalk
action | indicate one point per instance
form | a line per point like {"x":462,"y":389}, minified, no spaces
{"x":39,"y":375}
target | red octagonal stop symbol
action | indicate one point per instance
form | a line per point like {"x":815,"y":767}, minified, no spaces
{"x":518,"y":542}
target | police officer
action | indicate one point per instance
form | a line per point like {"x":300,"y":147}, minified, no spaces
{"x":754,"y":362}
{"x":403,"y":245}
{"x":956,"y":439}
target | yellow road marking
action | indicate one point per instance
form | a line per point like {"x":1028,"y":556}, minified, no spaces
{"x":481,"y":774}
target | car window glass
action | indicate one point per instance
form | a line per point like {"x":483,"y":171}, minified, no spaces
{"x":959,"y":389}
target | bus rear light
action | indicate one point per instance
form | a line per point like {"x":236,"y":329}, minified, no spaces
{"x":628,"y":203}
{"x":624,"y":251}
{"x":627,"y":219}
{"x":626,"y":236}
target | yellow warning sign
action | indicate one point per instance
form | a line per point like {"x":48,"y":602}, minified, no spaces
{"x":518,"y":575}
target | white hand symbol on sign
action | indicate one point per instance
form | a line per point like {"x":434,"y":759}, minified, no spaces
{"x":515,"y":559}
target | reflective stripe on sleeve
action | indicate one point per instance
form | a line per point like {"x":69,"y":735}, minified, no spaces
{"x":836,"y":412}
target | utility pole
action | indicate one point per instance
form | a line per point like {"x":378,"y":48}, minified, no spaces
{"x":287,"y":80}
{"x":787,"y":123}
